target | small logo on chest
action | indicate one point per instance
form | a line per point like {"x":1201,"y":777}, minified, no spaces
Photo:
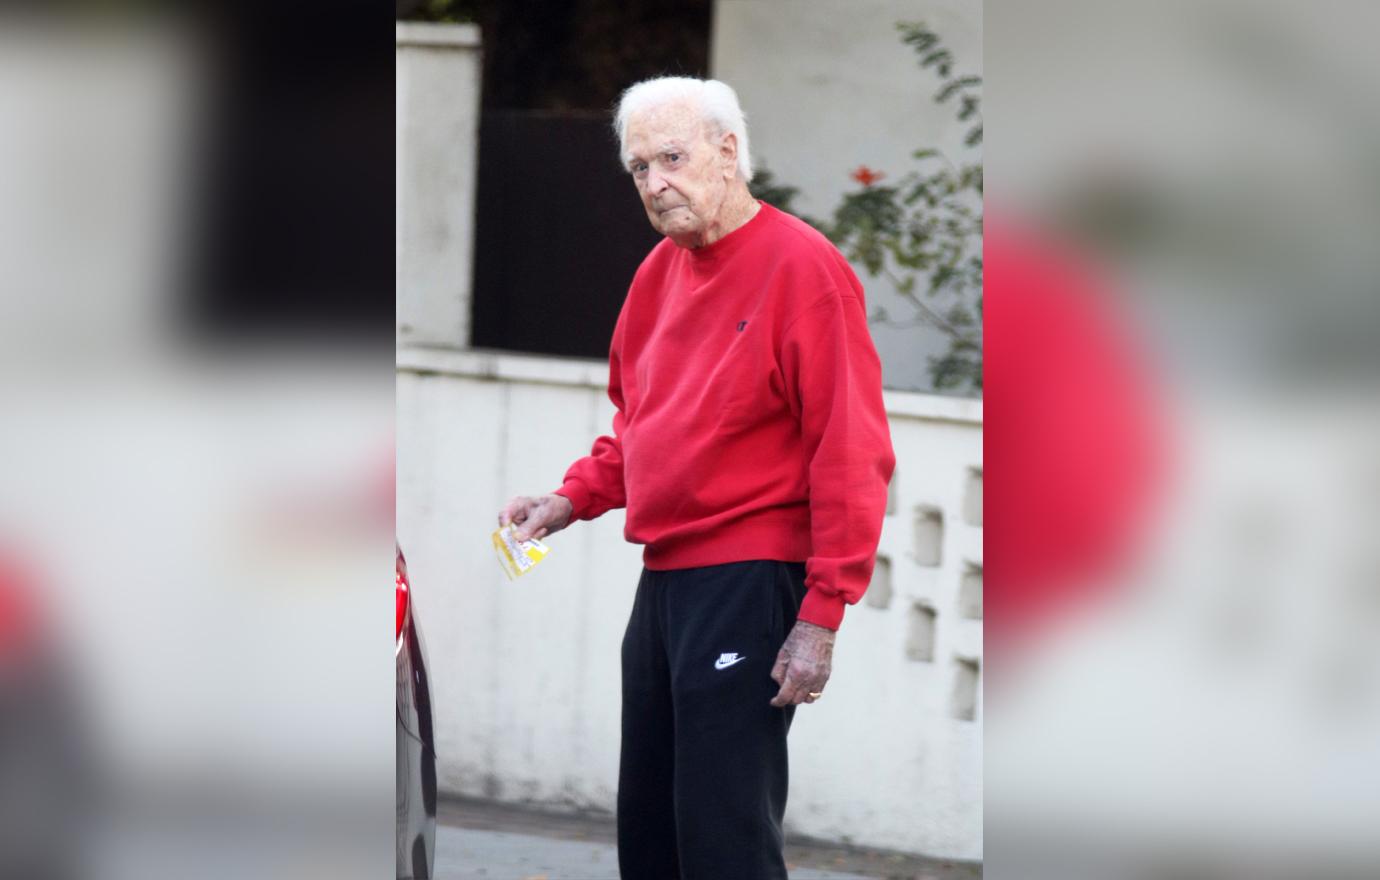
{"x":741,"y":325}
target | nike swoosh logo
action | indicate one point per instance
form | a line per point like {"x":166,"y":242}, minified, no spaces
{"x":728,"y":660}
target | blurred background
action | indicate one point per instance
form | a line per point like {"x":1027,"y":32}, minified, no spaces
{"x":517,"y":236}
{"x":1182,"y":378}
{"x":196,"y":409}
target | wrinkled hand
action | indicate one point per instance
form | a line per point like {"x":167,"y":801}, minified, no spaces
{"x":536,"y":517}
{"x":803,"y":665}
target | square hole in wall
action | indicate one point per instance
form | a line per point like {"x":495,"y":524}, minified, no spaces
{"x":929,"y":535}
{"x":920,"y":634}
{"x":878,"y":593}
{"x":963,"y":700}
{"x":972,"y":497}
{"x":970,"y":592}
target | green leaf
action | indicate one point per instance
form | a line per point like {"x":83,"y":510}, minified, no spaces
{"x":943,"y":57}
{"x":916,"y":34}
{"x":960,"y":316}
{"x":953,"y":86}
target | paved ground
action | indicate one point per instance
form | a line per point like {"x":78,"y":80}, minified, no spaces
{"x":471,"y":854}
{"x":482,"y":841}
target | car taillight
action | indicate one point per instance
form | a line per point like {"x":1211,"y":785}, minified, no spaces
{"x":401,"y":584}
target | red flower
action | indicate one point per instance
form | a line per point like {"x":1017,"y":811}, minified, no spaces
{"x":866,"y":176}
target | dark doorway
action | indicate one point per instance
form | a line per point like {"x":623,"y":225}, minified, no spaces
{"x":559,"y":233}
{"x":559,"y":230}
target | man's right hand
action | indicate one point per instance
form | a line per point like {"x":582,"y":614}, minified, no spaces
{"x":536,"y":517}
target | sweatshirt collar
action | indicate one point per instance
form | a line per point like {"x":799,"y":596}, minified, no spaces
{"x":731,"y":242}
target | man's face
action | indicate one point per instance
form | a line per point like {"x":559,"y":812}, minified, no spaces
{"x":681,"y":177}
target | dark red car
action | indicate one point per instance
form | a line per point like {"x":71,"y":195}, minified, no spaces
{"x":416,"y":765}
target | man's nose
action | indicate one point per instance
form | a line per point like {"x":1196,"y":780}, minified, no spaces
{"x":656,"y":184}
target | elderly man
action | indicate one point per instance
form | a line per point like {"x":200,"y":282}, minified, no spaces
{"x":751,"y":450}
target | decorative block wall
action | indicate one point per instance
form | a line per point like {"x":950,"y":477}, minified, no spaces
{"x":526,"y":673}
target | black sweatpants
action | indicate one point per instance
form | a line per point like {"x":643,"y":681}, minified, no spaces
{"x":703,"y":771}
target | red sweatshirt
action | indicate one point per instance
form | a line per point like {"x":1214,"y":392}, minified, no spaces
{"x":750,"y":422}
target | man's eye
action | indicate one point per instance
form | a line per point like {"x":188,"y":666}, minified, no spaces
{"x":673,"y":157}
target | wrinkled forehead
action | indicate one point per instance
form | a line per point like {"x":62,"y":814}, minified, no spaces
{"x":679,"y":123}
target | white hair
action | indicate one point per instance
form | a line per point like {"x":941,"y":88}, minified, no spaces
{"x":717,"y":102}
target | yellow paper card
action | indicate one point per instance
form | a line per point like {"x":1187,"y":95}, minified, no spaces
{"x":517,"y":557}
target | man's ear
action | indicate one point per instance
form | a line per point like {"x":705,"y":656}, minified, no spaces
{"x":728,"y":151}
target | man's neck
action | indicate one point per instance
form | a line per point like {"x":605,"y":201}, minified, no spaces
{"x":738,"y":209}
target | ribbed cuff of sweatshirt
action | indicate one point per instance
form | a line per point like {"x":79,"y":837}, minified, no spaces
{"x":822,"y":609}
{"x":578,"y":496}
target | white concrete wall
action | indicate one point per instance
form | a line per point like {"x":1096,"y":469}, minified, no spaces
{"x":526,"y":674}
{"x":437,"y":144}
{"x":828,"y":86}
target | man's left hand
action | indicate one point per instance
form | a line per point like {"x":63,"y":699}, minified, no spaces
{"x":803,"y":665}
